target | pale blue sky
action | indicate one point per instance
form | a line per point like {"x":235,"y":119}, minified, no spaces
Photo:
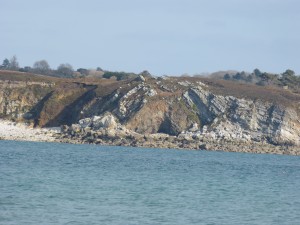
{"x":163,"y":36}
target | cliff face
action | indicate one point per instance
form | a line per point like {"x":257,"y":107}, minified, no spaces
{"x":186,"y":107}
{"x":43,"y":103}
{"x":228,"y":117}
{"x":18,"y":98}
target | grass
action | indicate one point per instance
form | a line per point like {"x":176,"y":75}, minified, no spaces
{"x":29,"y":77}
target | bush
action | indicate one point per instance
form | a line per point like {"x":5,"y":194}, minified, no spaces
{"x":119,"y":75}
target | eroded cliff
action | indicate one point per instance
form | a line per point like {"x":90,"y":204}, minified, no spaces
{"x":198,"y":110}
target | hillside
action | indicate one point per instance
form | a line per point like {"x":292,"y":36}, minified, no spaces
{"x":198,"y":110}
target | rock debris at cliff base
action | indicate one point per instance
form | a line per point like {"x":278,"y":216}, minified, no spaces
{"x":106,"y":130}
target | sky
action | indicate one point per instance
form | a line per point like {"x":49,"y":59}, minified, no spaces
{"x":165,"y":37}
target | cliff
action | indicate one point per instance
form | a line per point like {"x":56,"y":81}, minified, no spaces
{"x":198,"y":113}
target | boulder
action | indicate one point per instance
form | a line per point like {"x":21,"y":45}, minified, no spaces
{"x":76,"y":128}
{"x":194,"y":127}
{"x":106,"y":121}
{"x":86,"y":122}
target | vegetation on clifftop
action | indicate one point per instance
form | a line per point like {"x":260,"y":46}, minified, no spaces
{"x":287,"y":79}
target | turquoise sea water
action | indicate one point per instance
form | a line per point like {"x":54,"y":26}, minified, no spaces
{"x":50,"y":183}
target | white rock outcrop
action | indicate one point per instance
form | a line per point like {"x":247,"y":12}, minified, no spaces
{"x":228,"y":117}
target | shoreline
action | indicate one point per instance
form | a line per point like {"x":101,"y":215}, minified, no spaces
{"x":21,"y":132}
{"x":193,"y":145}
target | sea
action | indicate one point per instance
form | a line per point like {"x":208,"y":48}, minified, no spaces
{"x":53,"y":183}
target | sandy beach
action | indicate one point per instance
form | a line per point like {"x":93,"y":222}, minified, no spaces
{"x":18,"y":131}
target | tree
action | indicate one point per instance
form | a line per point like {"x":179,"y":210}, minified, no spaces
{"x":41,"y":67}
{"x":65,"y":70}
{"x":257,"y":72}
{"x":240,"y":76}
{"x":289,"y":72}
{"x":83,"y":72}
{"x":5,"y":65}
{"x":227,"y":76}
{"x":26,"y":69}
{"x":13,"y":63}
{"x":146,"y":73}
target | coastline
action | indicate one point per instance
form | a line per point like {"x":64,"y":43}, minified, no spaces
{"x":21,"y":132}
{"x":171,"y":142}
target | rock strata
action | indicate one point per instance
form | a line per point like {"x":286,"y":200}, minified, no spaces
{"x":106,"y":130}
